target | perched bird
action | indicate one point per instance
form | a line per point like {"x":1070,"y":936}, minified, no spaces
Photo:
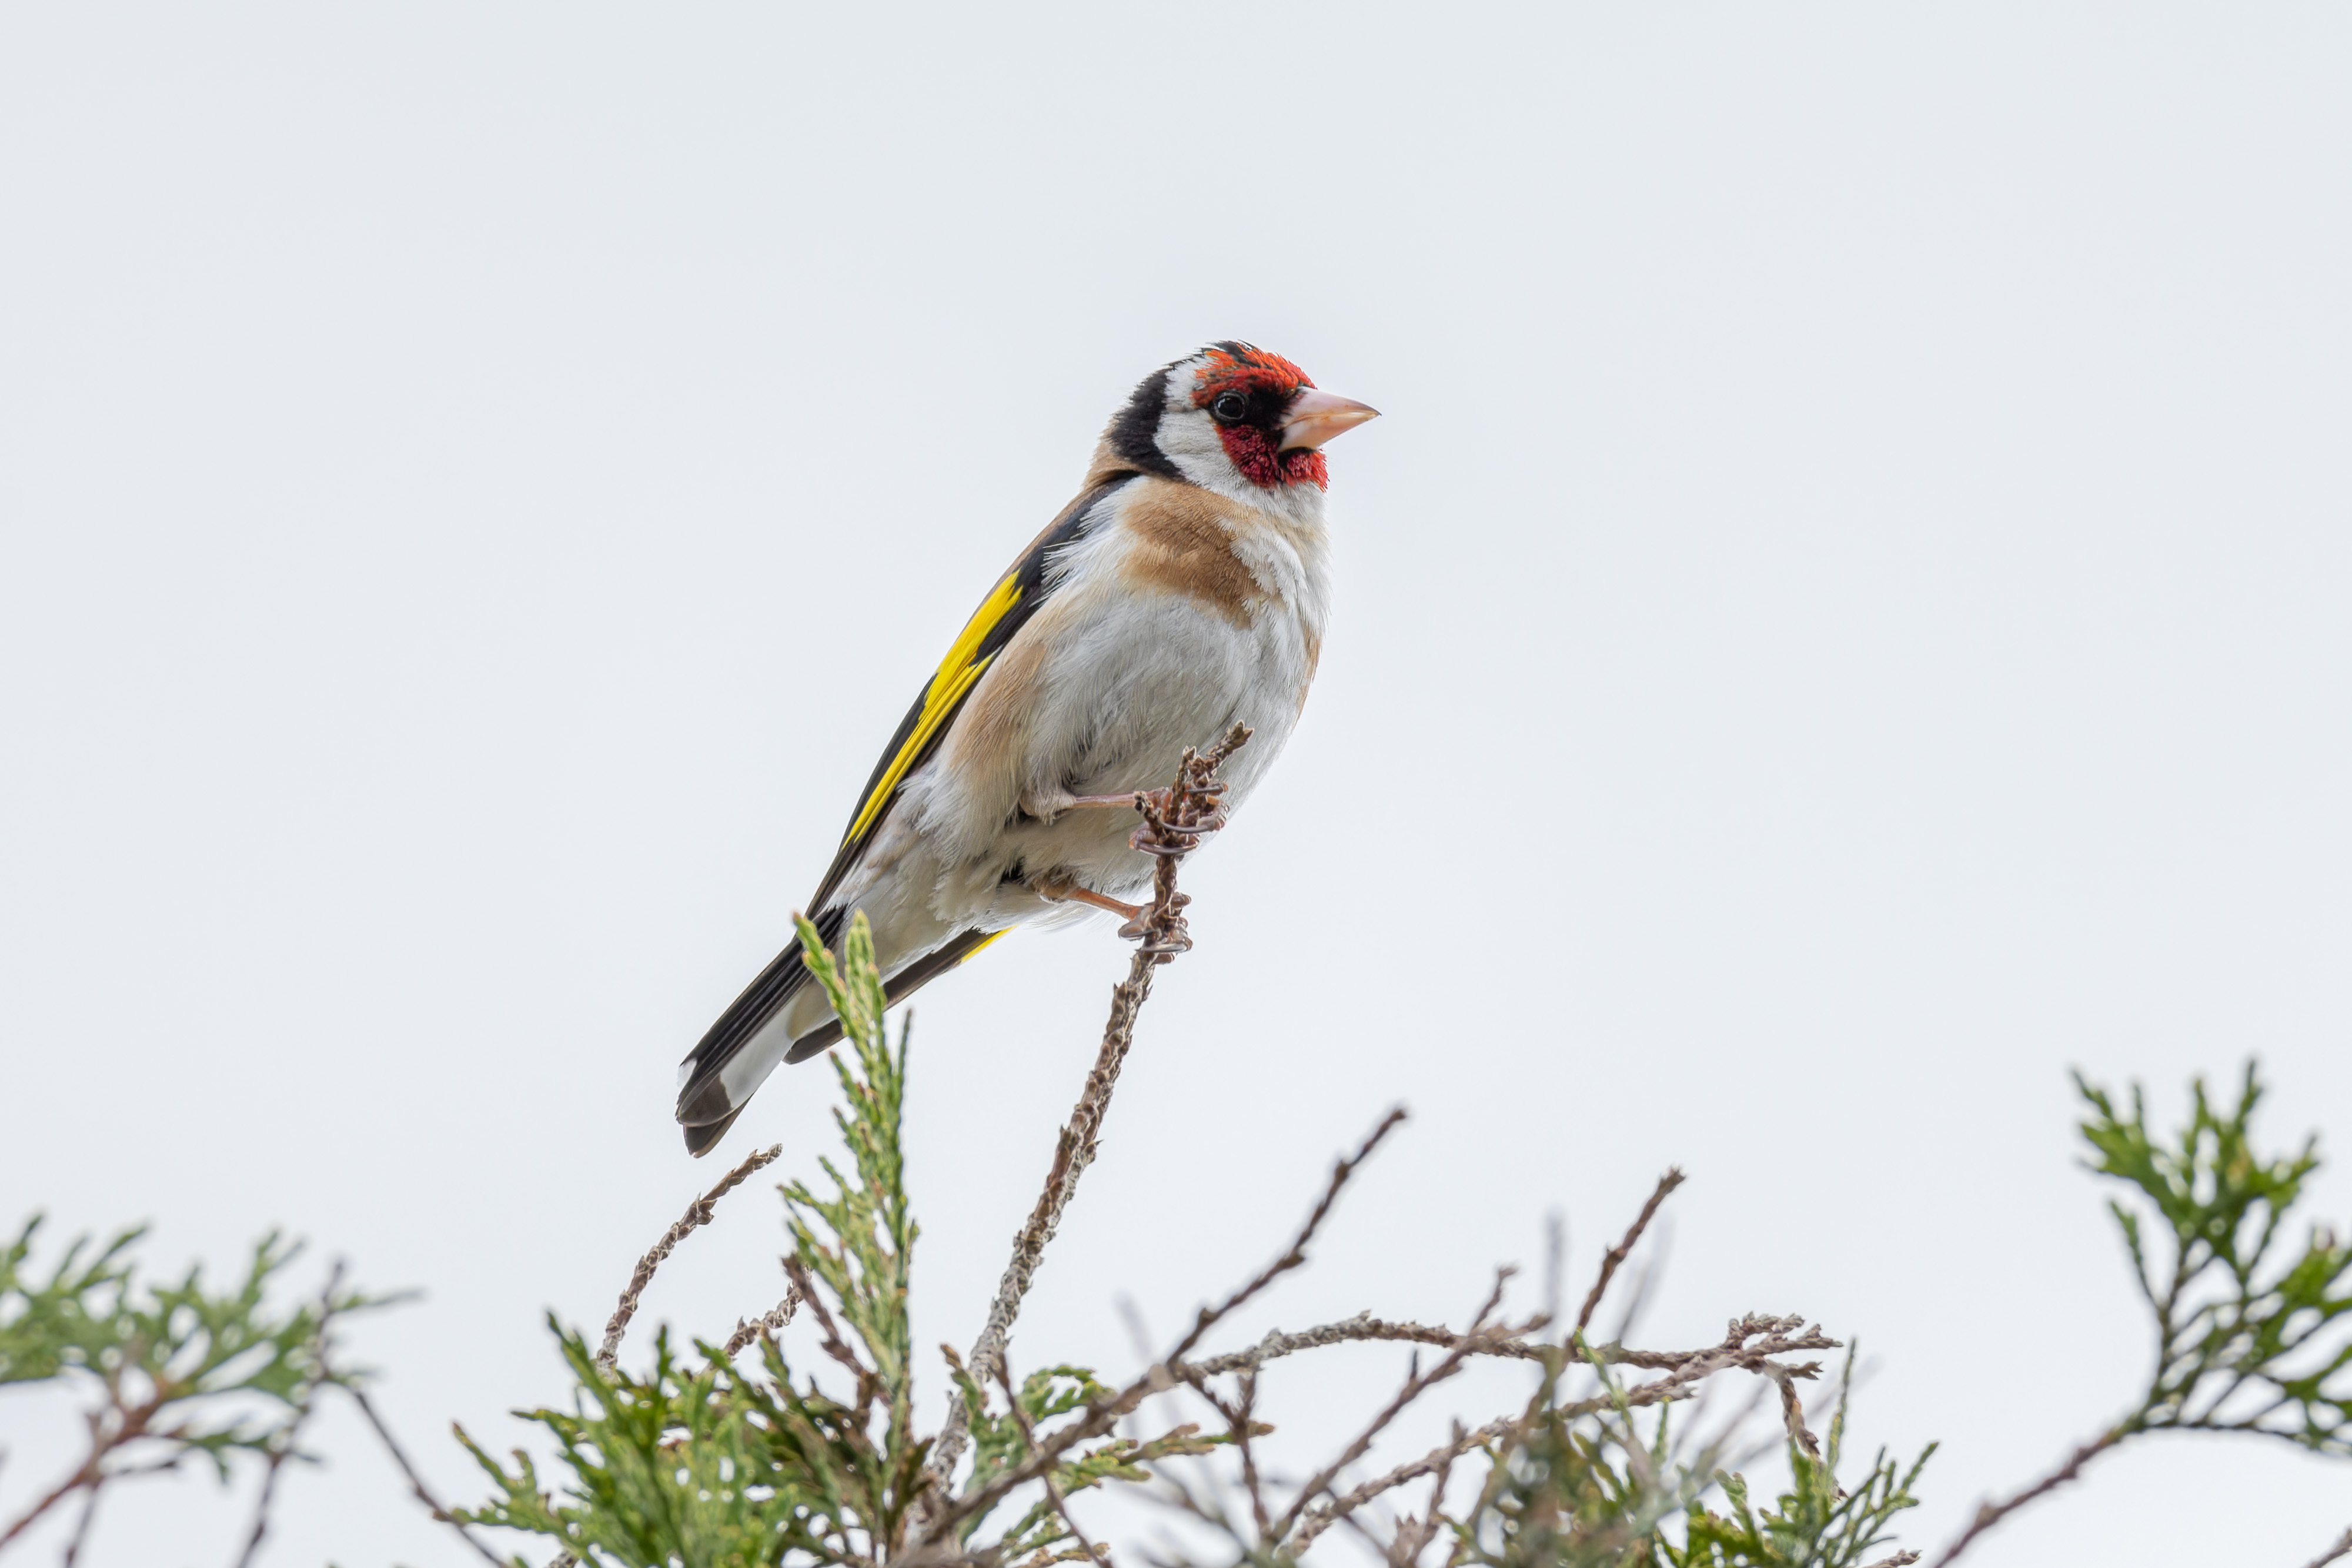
{"x":1185,"y":589}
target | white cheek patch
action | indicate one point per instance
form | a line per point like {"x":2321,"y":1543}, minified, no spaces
{"x":1188,"y":437}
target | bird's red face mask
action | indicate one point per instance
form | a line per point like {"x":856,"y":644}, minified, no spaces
{"x":1270,"y":416}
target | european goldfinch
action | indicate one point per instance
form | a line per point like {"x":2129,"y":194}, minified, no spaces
{"x":1185,"y":589}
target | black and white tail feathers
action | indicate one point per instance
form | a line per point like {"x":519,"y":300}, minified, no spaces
{"x":705,"y":1106}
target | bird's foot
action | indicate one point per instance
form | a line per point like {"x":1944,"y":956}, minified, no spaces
{"x":1175,"y":821}
{"x":1062,"y":889}
{"x":1130,"y":801}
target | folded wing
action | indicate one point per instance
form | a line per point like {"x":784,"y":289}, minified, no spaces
{"x":706,"y":1103}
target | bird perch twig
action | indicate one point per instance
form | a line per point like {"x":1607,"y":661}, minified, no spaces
{"x":1175,"y":820}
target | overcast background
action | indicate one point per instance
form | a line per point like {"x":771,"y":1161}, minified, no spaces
{"x":1855,"y":557}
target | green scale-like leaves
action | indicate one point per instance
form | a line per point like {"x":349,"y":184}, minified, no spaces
{"x":710,"y":1466}
{"x":1816,"y":1523}
{"x":176,"y":1370}
{"x":1590,"y":1490}
{"x":2249,"y":1340}
{"x":699,"y":1463}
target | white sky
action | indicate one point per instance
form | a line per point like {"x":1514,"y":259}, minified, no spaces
{"x":1855,"y":564}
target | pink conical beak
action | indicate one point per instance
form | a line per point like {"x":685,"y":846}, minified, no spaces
{"x":1315,"y":417}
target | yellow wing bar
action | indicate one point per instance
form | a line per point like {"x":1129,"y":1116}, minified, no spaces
{"x":963,"y":665}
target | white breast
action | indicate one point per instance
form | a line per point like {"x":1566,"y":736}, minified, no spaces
{"x":1142,"y":650}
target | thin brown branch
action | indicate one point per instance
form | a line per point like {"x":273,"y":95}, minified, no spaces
{"x":1363,"y":1326}
{"x":1416,"y":1385}
{"x":765,"y":1325}
{"x":1052,"y":1485}
{"x":283,"y":1448}
{"x":1780,"y":1336}
{"x":1792,"y":1408}
{"x":2343,"y":1548}
{"x":1244,"y":1431}
{"x":1749,"y":1346}
{"x":1296,"y":1255}
{"x":1414,"y":1535}
{"x":831,"y":1340}
{"x":417,"y":1486}
{"x":1180,"y":1497}
{"x":1616,"y":1255}
{"x":1241,"y":1426}
{"x":1688,"y":1367}
{"x":1175,"y":818}
{"x":1103,"y":1413}
{"x":1900,"y":1560}
{"x":1074,"y":1150}
{"x":698,"y":1215}
{"x":1991,"y":1513}
{"x":1320,"y":1516}
{"x":115,"y":1427}
{"x":84,"y":1476}
{"x":1098,"y":1417}
{"x":81,"y":1530}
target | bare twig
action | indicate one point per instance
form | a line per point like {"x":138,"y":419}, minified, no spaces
{"x":1616,"y":1255}
{"x":1174,"y":820}
{"x":1555,"y":1262}
{"x":1297,"y":1254}
{"x":1417,"y":1384}
{"x":1047,"y":1559}
{"x":765,"y":1324}
{"x":1688,"y":1367}
{"x":1320,"y":1516}
{"x":417,"y":1486}
{"x":1242,"y":1427}
{"x":1073,"y":1149}
{"x":1101,"y":1415}
{"x":284,"y":1447}
{"x":81,"y":1478}
{"x":117,"y":1426}
{"x":1098,"y":1417}
{"x":1053,"y":1486}
{"x":1792,"y":1408}
{"x":1747,"y":1344}
{"x":698,"y":1215}
{"x":1363,"y":1326}
{"x":1180,"y":1496}
{"x":1990,"y":1513}
{"x":1414,"y":1535}
{"x":2343,"y":1548}
{"x":831,"y":1340}
{"x":1646,"y":1276}
{"x":81,"y":1530}
{"x":1775,"y":1336}
{"x":1770,"y":1336}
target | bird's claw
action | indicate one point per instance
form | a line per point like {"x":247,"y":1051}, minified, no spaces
{"x":1171,"y":924}
{"x":1175,"y":821}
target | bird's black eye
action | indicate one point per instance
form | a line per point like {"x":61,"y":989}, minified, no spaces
{"x":1229,"y":407}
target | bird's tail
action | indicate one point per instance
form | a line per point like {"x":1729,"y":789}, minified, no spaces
{"x":721,"y":1074}
{"x":733,"y":1057}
